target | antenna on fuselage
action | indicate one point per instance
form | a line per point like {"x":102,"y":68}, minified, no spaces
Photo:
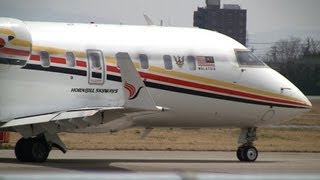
{"x":148,"y":20}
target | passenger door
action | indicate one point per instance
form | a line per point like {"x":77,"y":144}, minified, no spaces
{"x":96,"y":68}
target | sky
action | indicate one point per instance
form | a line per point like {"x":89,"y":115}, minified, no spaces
{"x":268,"y":20}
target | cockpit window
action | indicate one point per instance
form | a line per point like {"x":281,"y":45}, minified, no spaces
{"x":246,"y":58}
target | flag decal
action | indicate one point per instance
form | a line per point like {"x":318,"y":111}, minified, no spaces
{"x":206,"y":63}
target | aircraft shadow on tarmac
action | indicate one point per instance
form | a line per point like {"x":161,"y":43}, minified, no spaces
{"x":106,"y":164}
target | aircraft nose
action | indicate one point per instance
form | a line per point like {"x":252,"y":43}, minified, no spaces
{"x":299,"y":96}
{"x":303,"y":98}
{"x":307,"y":102}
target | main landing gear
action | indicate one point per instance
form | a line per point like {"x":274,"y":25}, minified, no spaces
{"x":247,"y":152}
{"x":32,"y":149}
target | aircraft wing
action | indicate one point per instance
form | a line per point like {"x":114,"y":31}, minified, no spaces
{"x":138,"y":102}
{"x":52,"y":117}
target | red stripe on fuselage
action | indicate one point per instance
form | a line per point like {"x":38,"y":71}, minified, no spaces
{"x":58,"y":60}
{"x":113,"y":69}
{"x":81,"y":63}
{"x":35,"y":57}
{"x":208,"y":88}
{"x":16,"y":52}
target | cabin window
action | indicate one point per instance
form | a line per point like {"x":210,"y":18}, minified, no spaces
{"x":167,"y":62}
{"x":71,"y":59}
{"x":144,"y":63}
{"x":191,"y":60}
{"x":94,"y":59}
{"x":44,"y":58}
{"x":246,"y":58}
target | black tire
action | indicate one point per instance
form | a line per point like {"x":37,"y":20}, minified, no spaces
{"x":32,"y":150}
{"x":39,"y":150}
{"x":240,"y":154}
{"x":250,"y":153}
{"x":27,"y":150}
{"x":19,"y":150}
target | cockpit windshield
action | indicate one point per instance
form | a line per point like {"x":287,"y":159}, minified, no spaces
{"x":246,"y":58}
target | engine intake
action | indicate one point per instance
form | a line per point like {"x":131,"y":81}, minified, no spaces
{"x":15,"y":42}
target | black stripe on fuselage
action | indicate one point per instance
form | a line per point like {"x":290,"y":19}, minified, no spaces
{"x":159,"y":86}
{"x":203,"y":94}
{"x":56,"y":69}
{"x":10,"y":61}
{"x":96,"y":75}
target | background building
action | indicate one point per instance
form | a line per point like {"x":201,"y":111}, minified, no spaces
{"x":231,"y":20}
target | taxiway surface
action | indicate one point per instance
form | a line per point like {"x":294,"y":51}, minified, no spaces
{"x":163,"y":161}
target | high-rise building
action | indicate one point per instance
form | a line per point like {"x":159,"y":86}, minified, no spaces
{"x":230,"y":20}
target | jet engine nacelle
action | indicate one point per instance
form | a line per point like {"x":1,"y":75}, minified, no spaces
{"x":15,"y":41}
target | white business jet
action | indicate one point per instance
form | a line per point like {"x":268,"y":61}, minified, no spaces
{"x":66,"y":77}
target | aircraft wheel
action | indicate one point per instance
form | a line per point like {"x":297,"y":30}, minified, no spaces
{"x":250,"y":154}
{"x":247,"y":153}
{"x":32,"y":150}
{"x":240,"y":154}
{"x":19,"y":150}
{"x":39,"y":150}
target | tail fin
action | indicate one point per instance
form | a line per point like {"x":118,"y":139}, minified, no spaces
{"x":136,"y":94}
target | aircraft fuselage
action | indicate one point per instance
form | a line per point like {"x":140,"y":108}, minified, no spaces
{"x":196,"y":73}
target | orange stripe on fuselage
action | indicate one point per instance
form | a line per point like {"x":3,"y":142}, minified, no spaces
{"x":213,"y":82}
{"x":202,"y":82}
{"x":7,"y":32}
{"x":208,"y":88}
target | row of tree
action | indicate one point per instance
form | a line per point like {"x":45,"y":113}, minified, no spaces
{"x":299,"y":61}
{"x":292,"y":49}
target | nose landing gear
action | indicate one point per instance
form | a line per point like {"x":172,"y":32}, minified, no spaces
{"x":247,"y":152}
